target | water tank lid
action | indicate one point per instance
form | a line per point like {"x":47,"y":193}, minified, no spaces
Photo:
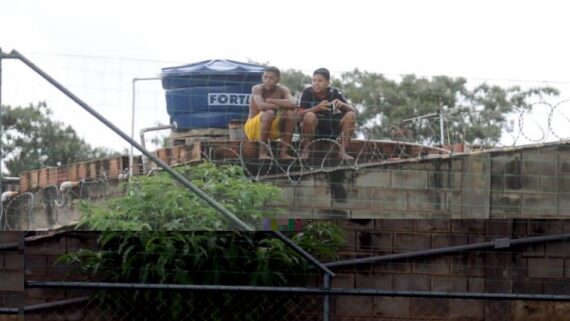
{"x":213,"y":67}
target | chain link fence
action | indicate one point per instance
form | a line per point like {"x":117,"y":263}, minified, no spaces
{"x":280,"y":304}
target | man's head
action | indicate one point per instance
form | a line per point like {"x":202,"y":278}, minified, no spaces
{"x":321,"y":80}
{"x":270,"y":77}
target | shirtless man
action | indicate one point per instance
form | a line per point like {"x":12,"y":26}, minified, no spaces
{"x":271,"y":114}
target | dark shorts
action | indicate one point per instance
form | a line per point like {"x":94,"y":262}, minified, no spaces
{"x":329,"y":125}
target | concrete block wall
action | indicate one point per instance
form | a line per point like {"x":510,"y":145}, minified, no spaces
{"x":538,"y":269}
{"x":525,"y":182}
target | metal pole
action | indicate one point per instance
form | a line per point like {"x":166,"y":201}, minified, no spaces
{"x":303,"y":253}
{"x":496,"y":244}
{"x":131,"y":153}
{"x":327,"y":299}
{"x":1,"y":146}
{"x":179,"y":177}
{"x":298,"y":290}
{"x":441,"y":131}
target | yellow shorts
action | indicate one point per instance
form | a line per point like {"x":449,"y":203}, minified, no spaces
{"x":252,"y":128}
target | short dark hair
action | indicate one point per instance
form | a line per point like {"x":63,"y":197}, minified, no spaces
{"x":323,"y":72}
{"x":272,"y":69}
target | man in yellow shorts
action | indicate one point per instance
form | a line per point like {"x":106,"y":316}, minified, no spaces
{"x":271,"y":114}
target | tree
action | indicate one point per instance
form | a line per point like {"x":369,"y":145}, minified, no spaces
{"x":31,"y":139}
{"x":478,"y":115}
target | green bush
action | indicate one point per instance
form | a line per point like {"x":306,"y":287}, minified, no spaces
{"x":160,"y":203}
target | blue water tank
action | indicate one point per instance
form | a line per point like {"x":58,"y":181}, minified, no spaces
{"x":208,"y":94}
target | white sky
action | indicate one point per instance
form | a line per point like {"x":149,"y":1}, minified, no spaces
{"x":523,"y":41}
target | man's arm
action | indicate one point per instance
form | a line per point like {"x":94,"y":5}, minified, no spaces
{"x":288,"y":102}
{"x":341,"y":103}
{"x":305,"y":105}
{"x":256,"y":92}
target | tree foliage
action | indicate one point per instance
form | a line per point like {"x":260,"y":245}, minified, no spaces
{"x":31,"y":140}
{"x":474,"y":114}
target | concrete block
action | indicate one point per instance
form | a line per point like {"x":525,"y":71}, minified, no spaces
{"x":411,"y":241}
{"x":411,"y":282}
{"x":394,"y":225}
{"x":448,"y":283}
{"x":374,"y":241}
{"x":435,"y":226}
{"x":356,"y":198}
{"x":430,"y":308}
{"x":374,"y":281}
{"x":372,"y":178}
{"x":440,"y":241}
{"x":426,"y":200}
{"x":468,"y":310}
{"x":546,"y":268}
{"x":12,"y":260}
{"x":409,"y":179}
{"x":353,"y":305}
{"x":472,"y":264}
{"x":385,"y":199}
{"x":548,"y":183}
{"x":433,"y":265}
{"x":468,"y":226}
{"x":540,"y":161}
{"x":313,"y":197}
{"x":11,"y":281}
{"x":392,"y":307}
{"x":539,"y":206}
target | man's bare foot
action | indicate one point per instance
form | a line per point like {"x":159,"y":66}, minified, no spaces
{"x":305,"y":154}
{"x":344,"y":156}
{"x":264,"y":156}
{"x":286,"y":156}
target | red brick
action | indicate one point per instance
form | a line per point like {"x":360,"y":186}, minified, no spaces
{"x":48,"y":246}
{"x":499,"y":228}
{"x":475,"y":284}
{"x":52,"y":176}
{"x":343,"y":280}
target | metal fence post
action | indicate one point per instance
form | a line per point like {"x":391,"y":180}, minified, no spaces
{"x":327,"y":299}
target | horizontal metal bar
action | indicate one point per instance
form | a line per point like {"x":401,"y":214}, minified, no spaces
{"x":9,"y":311}
{"x":498,"y":244}
{"x":9,"y":246}
{"x":55,"y":304}
{"x":295,"y":290}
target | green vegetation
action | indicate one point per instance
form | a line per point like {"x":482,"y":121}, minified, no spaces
{"x":31,"y":140}
{"x":160,"y":203}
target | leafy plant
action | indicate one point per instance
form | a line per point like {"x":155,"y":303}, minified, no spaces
{"x":161,"y":203}
{"x":229,"y":258}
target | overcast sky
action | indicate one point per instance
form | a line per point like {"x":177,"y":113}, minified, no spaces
{"x":519,"y":41}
